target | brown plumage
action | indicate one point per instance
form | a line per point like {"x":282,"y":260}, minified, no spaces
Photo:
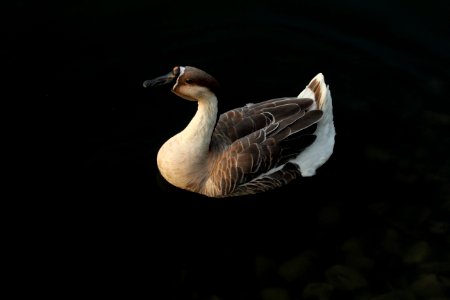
{"x":250,"y":149}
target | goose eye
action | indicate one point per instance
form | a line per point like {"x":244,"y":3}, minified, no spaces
{"x":188,"y":80}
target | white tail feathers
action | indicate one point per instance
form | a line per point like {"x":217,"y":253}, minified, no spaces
{"x":320,"y":151}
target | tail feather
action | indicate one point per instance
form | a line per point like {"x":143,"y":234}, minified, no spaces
{"x":320,"y":151}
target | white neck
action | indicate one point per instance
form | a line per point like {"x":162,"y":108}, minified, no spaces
{"x":184,"y":156}
{"x":198,"y":132}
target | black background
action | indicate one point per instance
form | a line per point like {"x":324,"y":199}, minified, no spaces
{"x":108,"y":224}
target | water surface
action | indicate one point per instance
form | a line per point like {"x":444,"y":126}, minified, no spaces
{"x":373,"y":222}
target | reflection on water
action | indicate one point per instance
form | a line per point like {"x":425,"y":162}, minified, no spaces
{"x":372,"y":224}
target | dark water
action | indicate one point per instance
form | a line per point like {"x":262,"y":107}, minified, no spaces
{"x":372,"y":224}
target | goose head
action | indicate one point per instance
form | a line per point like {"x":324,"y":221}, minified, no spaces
{"x":190,"y":83}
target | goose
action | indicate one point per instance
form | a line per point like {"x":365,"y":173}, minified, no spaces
{"x":250,"y":149}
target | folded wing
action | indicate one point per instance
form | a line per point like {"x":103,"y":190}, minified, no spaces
{"x":250,"y":143}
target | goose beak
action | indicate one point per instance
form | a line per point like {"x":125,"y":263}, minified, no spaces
{"x":160,"y":80}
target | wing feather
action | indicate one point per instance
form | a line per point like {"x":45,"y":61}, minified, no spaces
{"x":239,"y":122}
{"x":263,"y":136}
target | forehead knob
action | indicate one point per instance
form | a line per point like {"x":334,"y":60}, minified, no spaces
{"x":176,"y":71}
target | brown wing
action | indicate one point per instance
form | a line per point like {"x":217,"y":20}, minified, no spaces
{"x":267,"y":182}
{"x":249,"y":141}
{"x":242,"y":121}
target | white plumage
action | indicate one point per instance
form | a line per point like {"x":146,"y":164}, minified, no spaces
{"x":250,"y":149}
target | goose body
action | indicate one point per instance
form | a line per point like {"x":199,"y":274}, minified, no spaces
{"x":250,"y":149}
